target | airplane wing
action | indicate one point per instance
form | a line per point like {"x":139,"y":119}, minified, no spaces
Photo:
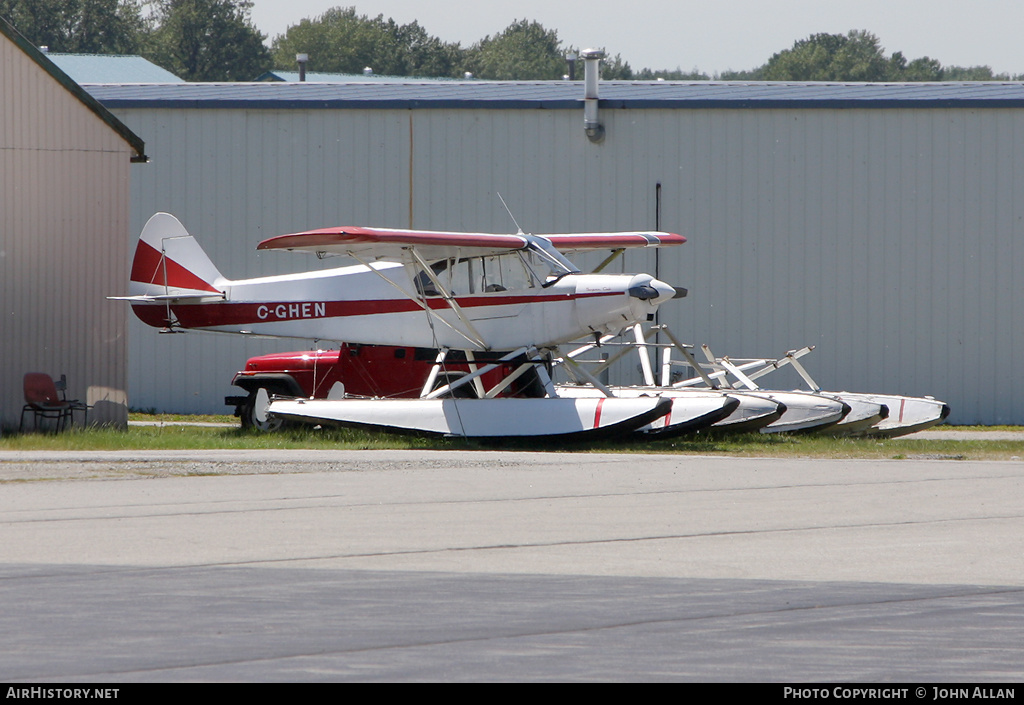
{"x":391,"y":245}
{"x":587,"y":242}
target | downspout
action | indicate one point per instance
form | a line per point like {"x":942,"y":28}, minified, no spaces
{"x":592,"y":73}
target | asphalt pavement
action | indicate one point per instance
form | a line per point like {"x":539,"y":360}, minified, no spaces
{"x":500,"y":566}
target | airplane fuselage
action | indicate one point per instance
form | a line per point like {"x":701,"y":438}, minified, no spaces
{"x":410,"y":288}
{"x":357,"y":305}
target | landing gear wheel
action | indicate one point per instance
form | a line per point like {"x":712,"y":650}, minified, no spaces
{"x":254,"y":412}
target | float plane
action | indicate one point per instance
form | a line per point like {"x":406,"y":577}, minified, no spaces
{"x":473,"y":292}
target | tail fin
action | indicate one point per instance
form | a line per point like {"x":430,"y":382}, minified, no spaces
{"x":168,"y":261}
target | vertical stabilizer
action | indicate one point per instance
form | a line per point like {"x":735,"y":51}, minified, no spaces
{"x":169,"y":261}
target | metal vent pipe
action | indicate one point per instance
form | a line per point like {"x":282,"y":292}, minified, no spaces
{"x":591,"y":75}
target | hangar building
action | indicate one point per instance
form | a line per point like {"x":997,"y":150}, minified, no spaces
{"x":64,"y":234}
{"x":881,"y":223}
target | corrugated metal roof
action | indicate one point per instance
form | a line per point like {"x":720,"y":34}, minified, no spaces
{"x":97,"y":68}
{"x":554,"y":95}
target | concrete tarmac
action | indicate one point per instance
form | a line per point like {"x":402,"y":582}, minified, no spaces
{"x":503,"y":566}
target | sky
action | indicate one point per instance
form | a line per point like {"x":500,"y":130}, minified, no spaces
{"x":709,"y":36}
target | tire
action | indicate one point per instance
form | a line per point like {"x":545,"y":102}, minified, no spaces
{"x":253,"y":415}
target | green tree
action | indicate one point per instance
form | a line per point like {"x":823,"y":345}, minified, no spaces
{"x":616,"y":69}
{"x":78,"y":26}
{"x":341,"y":41}
{"x":856,"y":56}
{"x":523,"y":51}
{"x":207,"y":40}
{"x":731,"y":75}
{"x":675,"y":75}
{"x":975,"y":73}
{"x":427,"y":55}
{"x":923,"y":69}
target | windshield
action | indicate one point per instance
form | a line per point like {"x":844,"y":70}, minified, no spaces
{"x":557,"y":261}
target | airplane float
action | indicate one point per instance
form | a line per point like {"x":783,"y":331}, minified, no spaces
{"x":474,"y":292}
{"x":813,"y":410}
{"x":872,"y":415}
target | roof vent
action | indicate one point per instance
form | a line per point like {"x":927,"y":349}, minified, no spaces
{"x":367,"y":71}
{"x":570,"y":59}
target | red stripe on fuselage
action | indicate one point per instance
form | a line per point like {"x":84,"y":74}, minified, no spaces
{"x":218,"y":314}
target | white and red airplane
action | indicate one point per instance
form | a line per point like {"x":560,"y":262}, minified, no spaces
{"x":467,"y":291}
{"x":444,"y":290}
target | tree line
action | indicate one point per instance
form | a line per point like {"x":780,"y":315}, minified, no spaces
{"x":215,"y":40}
{"x":197,"y":40}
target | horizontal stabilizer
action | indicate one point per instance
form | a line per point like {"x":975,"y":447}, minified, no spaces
{"x":147,"y":298}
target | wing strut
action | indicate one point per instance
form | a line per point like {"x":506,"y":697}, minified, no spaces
{"x":420,"y":302}
{"x":452,"y":303}
{"x":608,"y":260}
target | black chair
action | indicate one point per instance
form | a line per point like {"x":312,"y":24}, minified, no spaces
{"x":76,"y":405}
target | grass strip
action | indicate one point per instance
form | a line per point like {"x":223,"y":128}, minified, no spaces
{"x":174,"y":434}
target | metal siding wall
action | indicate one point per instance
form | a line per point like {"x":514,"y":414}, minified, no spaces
{"x":235,"y":177}
{"x":887,"y":238}
{"x":63,"y":216}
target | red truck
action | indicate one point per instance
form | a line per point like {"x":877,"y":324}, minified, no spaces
{"x":364,"y":370}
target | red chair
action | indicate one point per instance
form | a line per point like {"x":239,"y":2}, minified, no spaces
{"x":42,"y":400}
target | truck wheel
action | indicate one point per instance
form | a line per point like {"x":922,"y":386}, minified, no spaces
{"x":254,"y":412}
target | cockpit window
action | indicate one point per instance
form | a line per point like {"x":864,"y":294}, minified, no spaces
{"x":523,"y":269}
